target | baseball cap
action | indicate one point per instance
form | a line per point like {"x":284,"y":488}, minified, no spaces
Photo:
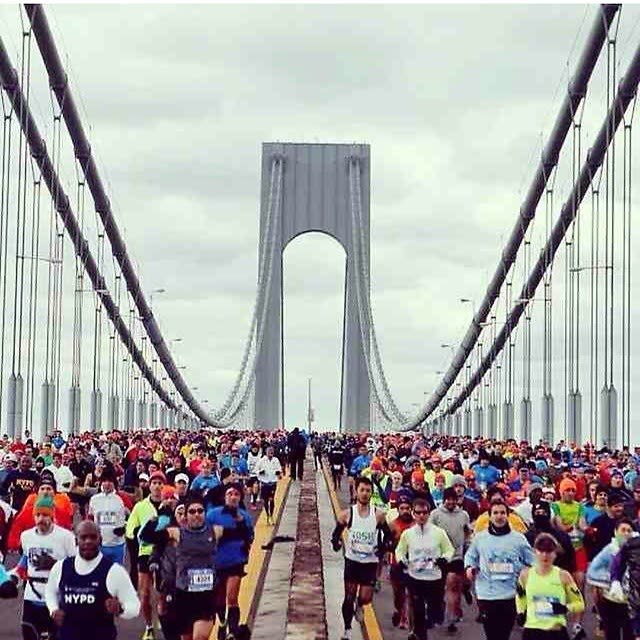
{"x":157,"y":475}
{"x":182,"y":477}
{"x":144,"y":476}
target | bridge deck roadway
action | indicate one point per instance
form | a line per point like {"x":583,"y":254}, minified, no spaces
{"x":294,"y":590}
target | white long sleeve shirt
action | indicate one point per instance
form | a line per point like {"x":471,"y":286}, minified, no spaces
{"x":109,"y":513}
{"x":268,"y":470}
{"x":118,"y":585}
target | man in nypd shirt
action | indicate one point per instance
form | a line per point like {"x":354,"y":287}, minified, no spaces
{"x":89,"y":591}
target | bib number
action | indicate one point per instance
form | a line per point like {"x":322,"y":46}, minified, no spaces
{"x":200,"y":580}
{"x":543,"y":607}
{"x":501,"y":570}
{"x":107,"y":519}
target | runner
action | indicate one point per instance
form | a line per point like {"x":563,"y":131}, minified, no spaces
{"x":143,"y":511}
{"x":613,"y":609}
{"x":86,"y":592}
{"x":41,"y":547}
{"x":424,"y":552}
{"x":494,"y":559}
{"x":362,"y":523}
{"x":269,"y":472}
{"x":401,"y":520}
{"x":196,"y":546}
{"x":231,"y":557}
{"x":569,"y":515}
{"x":455,"y":522}
{"x":253,"y":484}
{"x":336,"y":463}
{"x":109,"y":512}
{"x":546,"y":594}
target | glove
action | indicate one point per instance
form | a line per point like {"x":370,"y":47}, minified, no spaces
{"x":336,"y":544}
{"x":558,"y":608}
{"x":8,"y":589}
{"x":520,"y":619}
{"x":616,"y":591}
{"x":442,"y":564}
{"x":118,"y":531}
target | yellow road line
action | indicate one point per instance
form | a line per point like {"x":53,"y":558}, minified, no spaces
{"x":257,"y":556}
{"x":371,"y":626}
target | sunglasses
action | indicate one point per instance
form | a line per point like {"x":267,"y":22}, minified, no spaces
{"x":195,"y":511}
{"x":420,"y":513}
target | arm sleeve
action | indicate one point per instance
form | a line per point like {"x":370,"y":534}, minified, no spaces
{"x":446,"y":548}
{"x":51,"y":590}
{"x":132,"y":524}
{"x":471,"y":557}
{"x":402,"y":549}
{"x":618,"y":566}
{"x":120,"y":587}
{"x":575,"y":601}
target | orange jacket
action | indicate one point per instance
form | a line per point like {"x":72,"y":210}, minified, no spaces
{"x":62,"y":516}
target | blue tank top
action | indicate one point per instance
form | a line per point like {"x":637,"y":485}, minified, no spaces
{"x":83,"y":602}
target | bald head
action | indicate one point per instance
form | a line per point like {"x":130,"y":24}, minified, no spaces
{"x":88,"y":539}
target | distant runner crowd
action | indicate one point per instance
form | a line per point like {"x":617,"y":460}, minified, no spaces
{"x":99,"y":526}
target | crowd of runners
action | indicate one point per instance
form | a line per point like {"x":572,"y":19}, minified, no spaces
{"x":160,"y":525}
{"x":527,"y":534}
{"x":99,"y":526}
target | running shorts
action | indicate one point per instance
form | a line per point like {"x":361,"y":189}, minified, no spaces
{"x":234,"y":570}
{"x":456,"y":566}
{"x":361,"y":573}
{"x":192,"y":607}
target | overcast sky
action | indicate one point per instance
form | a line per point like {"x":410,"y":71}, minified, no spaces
{"x":454,"y":100}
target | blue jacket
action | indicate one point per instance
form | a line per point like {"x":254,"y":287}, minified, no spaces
{"x":202,"y":483}
{"x":598,"y":573}
{"x":359,"y":464}
{"x":499,"y":560}
{"x":233,"y":547}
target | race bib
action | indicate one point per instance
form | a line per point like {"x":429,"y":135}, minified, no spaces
{"x":362,"y":548}
{"x":200,"y":580}
{"x":501,"y":570}
{"x":107,"y":519}
{"x":424,"y":566}
{"x":543,"y":607}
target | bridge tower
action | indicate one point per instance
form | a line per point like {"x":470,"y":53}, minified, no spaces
{"x":314,"y":196}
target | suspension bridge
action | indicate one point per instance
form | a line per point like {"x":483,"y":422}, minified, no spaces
{"x":549,"y":346}
{"x":550,"y":337}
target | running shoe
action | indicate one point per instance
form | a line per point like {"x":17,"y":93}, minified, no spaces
{"x":359,"y":613}
{"x":149,"y":634}
{"x":346,"y":635}
{"x":578,"y":632}
{"x":378,"y":586}
{"x":395,"y":618}
{"x":222,"y":632}
{"x":404,"y":622}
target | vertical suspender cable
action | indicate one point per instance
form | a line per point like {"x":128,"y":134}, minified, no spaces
{"x":4,"y":233}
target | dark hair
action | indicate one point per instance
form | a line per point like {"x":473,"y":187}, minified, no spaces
{"x":500,"y":503}
{"x":194,"y":498}
{"x":422,"y":503}
{"x":625,"y":521}
{"x":225,"y":473}
{"x":546,"y":542}
{"x":363,"y":480}
{"x":449,"y":492}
